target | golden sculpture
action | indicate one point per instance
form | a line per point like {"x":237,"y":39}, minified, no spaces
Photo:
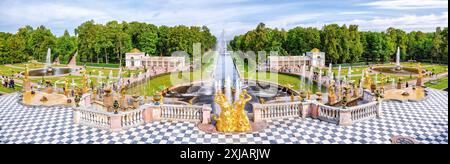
{"x":84,"y":82}
{"x":225,"y":122}
{"x":331,"y":93}
{"x":383,"y":80}
{"x":26,"y":73}
{"x":367,"y":79}
{"x":419,"y":71}
{"x":66,"y":87}
{"x":233,"y":117}
{"x":242,"y":123}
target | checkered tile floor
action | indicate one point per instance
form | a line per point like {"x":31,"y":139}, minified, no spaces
{"x":427,"y":121}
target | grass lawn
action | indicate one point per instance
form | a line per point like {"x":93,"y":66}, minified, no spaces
{"x":17,"y":88}
{"x":441,"y":83}
{"x":76,"y":79}
{"x":8,"y":71}
{"x":36,"y":65}
{"x":115,"y":71}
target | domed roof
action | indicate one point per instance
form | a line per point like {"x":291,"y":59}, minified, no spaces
{"x":315,"y":50}
{"x":135,"y":50}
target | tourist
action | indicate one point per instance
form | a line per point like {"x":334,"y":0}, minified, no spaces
{"x":11,"y":83}
{"x":407,"y":85}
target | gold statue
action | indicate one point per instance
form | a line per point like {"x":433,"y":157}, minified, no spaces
{"x":26,"y":73}
{"x":225,"y":122}
{"x":242,"y":123}
{"x":84,"y":82}
{"x":367,"y":80}
{"x":383,"y":80}
{"x":331,"y":93}
{"x":66,"y":87}
{"x":233,"y":117}
{"x":26,"y":80}
{"x":419,"y":71}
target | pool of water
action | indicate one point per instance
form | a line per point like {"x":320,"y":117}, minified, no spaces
{"x":53,"y":72}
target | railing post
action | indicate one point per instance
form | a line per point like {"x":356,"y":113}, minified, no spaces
{"x":116,"y":123}
{"x":76,"y":116}
{"x":305,"y":109}
{"x":152,"y":113}
{"x":345,"y":118}
{"x":314,"y":110}
{"x":379,"y":111}
{"x":257,"y":113}
{"x":206,"y":111}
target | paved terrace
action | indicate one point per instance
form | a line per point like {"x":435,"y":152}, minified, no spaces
{"x":427,"y":121}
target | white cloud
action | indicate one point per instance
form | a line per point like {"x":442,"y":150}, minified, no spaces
{"x":408,"y":4}
{"x":406,"y":22}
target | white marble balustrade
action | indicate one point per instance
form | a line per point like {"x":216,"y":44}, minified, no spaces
{"x":182,"y":113}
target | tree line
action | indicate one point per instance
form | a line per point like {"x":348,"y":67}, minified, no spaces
{"x":102,"y":43}
{"x":346,"y":44}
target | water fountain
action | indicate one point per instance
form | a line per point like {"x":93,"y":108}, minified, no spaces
{"x":397,"y":69}
{"x":48,"y":62}
{"x":48,"y":70}
{"x":397,"y":65}
{"x":339,"y":75}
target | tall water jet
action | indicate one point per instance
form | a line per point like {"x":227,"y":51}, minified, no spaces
{"x":397,"y":65}
{"x":339,"y":75}
{"x":228,"y":89}
{"x":48,"y":62}
{"x":319,"y":79}
{"x":238,"y":89}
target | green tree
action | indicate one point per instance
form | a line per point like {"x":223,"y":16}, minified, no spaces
{"x":65,"y":47}
{"x":437,"y":45}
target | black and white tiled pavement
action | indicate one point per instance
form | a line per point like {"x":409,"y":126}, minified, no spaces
{"x":427,"y":121}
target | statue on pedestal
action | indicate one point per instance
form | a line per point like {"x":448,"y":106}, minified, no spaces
{"x":367,"y":80}
{"x":420,"y":75}
{"x":331,"y":93}
{"x":242,"y":123}
{"x":26,"y":80}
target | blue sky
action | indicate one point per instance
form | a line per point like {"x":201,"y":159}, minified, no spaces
{"x":235,"y":16}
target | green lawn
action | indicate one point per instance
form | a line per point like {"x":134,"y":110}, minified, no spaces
{"x":441,"y":83}
{"x":8,"y":71}
{"x":17,"y":88}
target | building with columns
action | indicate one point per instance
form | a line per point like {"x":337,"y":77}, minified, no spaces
{"x":315,"y":58}
{"x":137,"y":59}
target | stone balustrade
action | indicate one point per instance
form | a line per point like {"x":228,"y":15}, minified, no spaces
{"x":328,"y":113}
{"x":275,"y":111}
{"x":316,"y":110}
{"x":92,"y":114}
{"x":182,"y":113}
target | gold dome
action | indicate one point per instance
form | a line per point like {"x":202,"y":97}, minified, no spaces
{"x":315,"y":50}
{"x":135,"y":50}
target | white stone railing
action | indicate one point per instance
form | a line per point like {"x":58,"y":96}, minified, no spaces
{"x":364,"y":112}
{"x":328,"y":113}
{"x":181,"y":113}
{"x":97,"y":119}
{"x":275,"y":111}
{"x":316,"y":110}
{"x":132,"y":118}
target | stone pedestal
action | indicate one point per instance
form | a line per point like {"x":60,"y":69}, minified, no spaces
{"x":379,"y":111}
{"x":26,"y":86}
{"x":305,"y":110}
{"x":314,"y":111}
{"x":345,"y":118}
{"x":76,"y":116}
{"x":206,"y":114}
{"x":108,"y":101}
{"x":399,"y":85}
{"x":331,"y":99}
{"x":116,"y":123}
{"x":149,"y":114}
{"x":256,"y":113}
{"x":419,"y":82}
